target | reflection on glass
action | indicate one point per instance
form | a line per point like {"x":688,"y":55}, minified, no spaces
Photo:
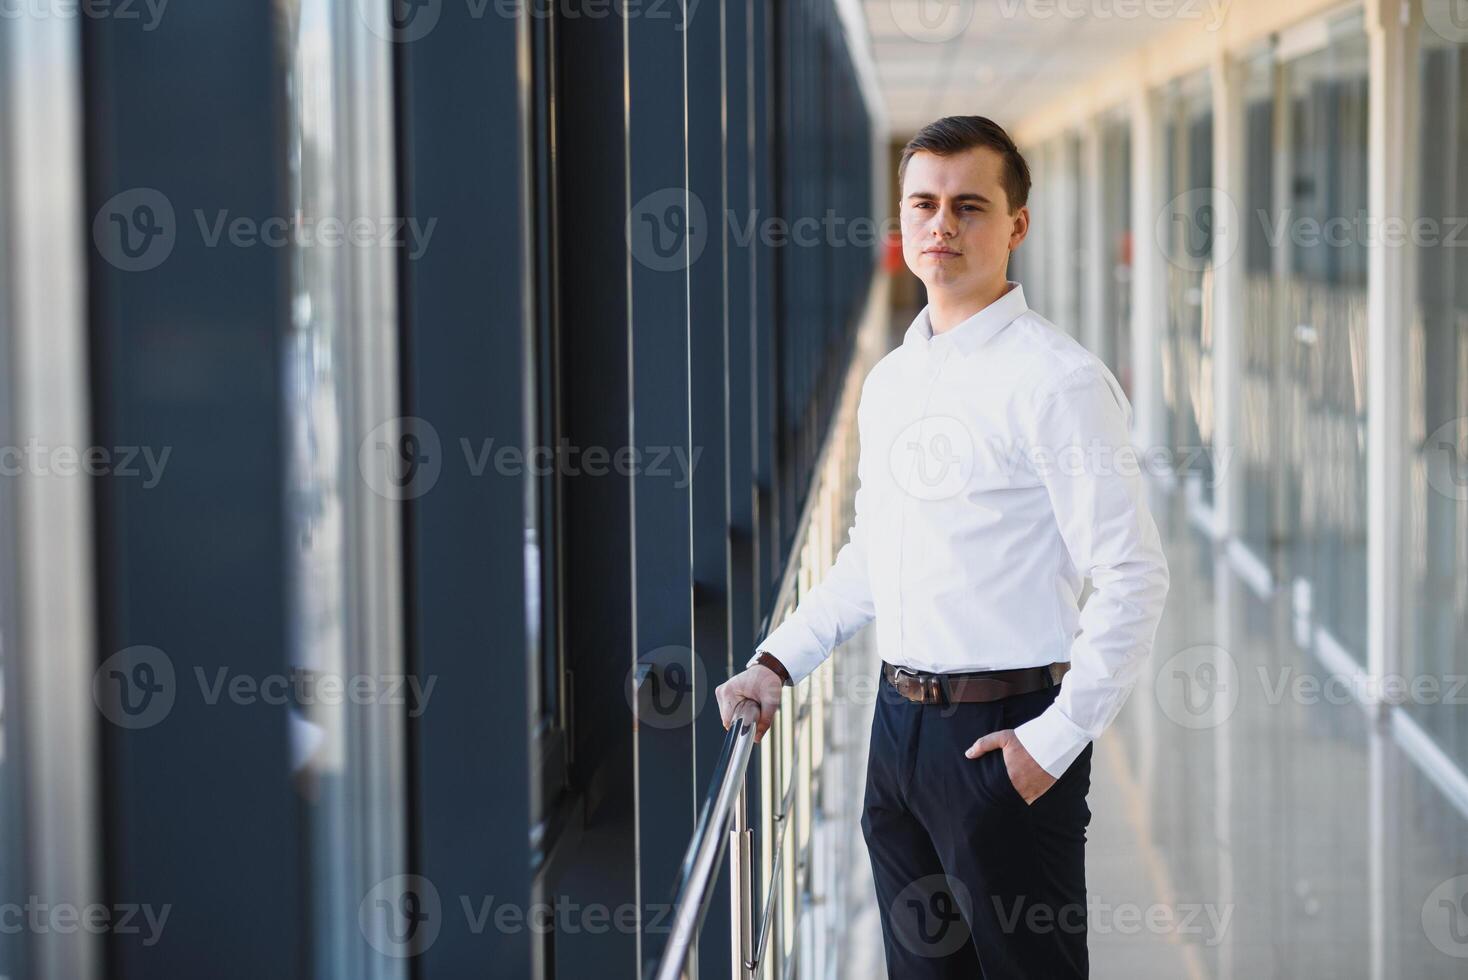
{"x":1437,"y":411}
{"x":12,"y":950}
{"x":1027,"y":264}
{"x":1187,"y":340}
{"x":1116,"y":237}
{"x":1322,"y":311}
{"x":1262,"y":348}
{"x":341,"y":745}
{"x":1072,"y":236}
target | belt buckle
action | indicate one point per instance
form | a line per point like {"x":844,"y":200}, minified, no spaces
{"x":898,"y":675}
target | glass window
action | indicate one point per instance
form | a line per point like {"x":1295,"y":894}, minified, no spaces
{"x":1072,"y":237}
{"x":1028,"y":263}
{"x":347,"y":752}
{"x":12,"y":948}
{"x":1187,"y":360}
{"x":1437,"y":413}
{"x":1261,"y":342}
{"x":1116,"y":237}
{"x":1321,"y":307}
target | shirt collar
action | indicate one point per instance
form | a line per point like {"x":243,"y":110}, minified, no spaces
{"x":972,"y":333}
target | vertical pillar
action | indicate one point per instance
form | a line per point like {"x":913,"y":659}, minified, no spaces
{"x":1149,"y":274}
{"x":1228,"y":288}
{"x":1392,"y":128}
{"x":48,"y":401}
{"x":1093,"y":248}
{"x":1061,"y":236}
{"x":1391,"y":35}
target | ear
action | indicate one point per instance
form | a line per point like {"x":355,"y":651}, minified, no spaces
{"x":1021,"y":227}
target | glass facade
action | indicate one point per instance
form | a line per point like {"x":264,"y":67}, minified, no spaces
{"x":1187,"y":362}
{"x":345,"y":752}
{"x":12,"y":830}
{"x":1262,"y":344}
{"x":645,"y":298}
{"x":1436,"y":615}
{"x":1116,"y":240}
{"x":1322,"y":313}
{"x":1029,"y":265}
{"x":1072,"y":237}
{"x":1051,"y":263}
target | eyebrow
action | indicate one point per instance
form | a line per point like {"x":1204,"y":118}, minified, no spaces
{"x":930,"y":196}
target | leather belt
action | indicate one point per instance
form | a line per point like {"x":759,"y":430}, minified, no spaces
{"x":986,"y":685}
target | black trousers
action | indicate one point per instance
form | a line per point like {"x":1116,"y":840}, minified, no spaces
{"x":971,"y":880}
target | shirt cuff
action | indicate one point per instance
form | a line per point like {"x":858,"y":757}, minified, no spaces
{"x":794,"y":645}
{"x":1052,"y":740}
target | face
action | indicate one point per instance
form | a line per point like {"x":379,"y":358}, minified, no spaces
{"x":957,"y":231}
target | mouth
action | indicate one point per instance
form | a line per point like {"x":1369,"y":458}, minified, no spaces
{"x":940,"y":252}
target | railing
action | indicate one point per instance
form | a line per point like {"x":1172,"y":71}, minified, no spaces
{"x":798,"y":878}
{"x":697,"y":872}
{"x":723,"y":820}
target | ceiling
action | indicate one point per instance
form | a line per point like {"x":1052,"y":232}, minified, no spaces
{"x":997,"y":58}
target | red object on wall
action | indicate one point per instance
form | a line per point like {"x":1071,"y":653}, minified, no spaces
{"x":892,"y":252}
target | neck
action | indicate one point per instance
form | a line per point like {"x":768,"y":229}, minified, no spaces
{"x":947,"y":310}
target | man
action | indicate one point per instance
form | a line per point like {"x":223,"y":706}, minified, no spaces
{"x":996,"y":472}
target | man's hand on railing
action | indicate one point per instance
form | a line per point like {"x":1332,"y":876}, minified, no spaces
{"x":759,"y":684}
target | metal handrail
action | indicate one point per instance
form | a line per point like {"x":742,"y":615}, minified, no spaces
{"x":753,"y":961}
{"x":724,"y":811}
{"x":725,"y":803}
{"x":690,"y":901}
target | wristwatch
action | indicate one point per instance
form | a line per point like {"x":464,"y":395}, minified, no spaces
{"x":768,"y":660}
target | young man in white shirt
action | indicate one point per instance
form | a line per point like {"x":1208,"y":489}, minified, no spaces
{"x":996,"y":473}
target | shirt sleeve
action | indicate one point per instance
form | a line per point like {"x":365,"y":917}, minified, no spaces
{"x":1091,"y":472}
{"x":838,"y":607}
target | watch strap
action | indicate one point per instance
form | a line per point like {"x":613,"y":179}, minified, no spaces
{"x":768,"y":660}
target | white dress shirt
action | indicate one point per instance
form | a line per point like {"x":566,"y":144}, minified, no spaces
{"x":996,"y":473}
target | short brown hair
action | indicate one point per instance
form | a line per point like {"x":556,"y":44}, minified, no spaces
{"x":954,"y":134}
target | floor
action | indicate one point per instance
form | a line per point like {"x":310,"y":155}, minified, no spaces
{"x":1260,"y":831}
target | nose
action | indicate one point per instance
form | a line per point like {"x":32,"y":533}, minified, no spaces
{"x":945,"y":222}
